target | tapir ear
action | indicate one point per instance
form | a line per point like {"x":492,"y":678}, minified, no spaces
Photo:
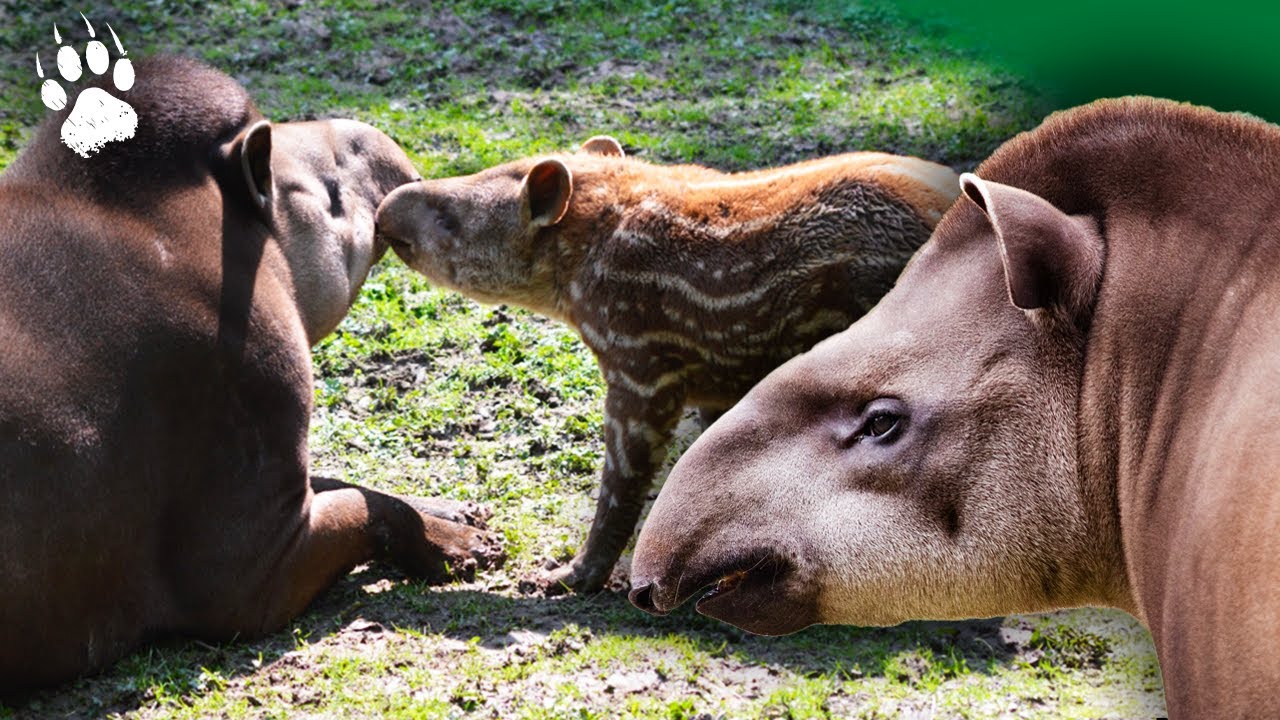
{"x":546,"y":192}
{"x":255,"y":162}
{"x":602,"y":145}
{"x":1050,"y":258}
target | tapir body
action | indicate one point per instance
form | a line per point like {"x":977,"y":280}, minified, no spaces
{"x":689,"y":284}
{"x":157,"y":305}
{"x":1071,"y":397}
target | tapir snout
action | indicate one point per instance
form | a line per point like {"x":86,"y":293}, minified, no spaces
{"x":1068,"y":398}
{"x":897,"y":470}
{"x":759,"y":576}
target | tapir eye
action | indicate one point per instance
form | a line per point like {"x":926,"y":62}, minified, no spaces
{"x":882,"y":421}
{"x":881,"y":424}
{"x":446,"y":222}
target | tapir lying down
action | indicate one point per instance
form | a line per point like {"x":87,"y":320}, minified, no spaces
{"x":689,"y":284}
{"x":1071,"y":397}
{"x":157,"y":305}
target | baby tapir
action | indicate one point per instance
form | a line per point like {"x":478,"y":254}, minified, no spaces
{"x":688,"y":284}
{"x":157,"y":305}
{"x":1071,"y":397}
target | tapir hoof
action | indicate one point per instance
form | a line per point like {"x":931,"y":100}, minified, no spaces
{"x":573,"y":577}
{"x":455,"y":551}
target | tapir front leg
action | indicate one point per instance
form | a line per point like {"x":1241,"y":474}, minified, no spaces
{"x":639,"y":418}
{"x":466,"y":512}
{"x":341,"y":526}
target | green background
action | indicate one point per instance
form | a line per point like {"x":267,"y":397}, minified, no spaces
{"x":1222,"y":54}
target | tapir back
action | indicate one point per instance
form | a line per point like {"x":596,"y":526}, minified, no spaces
{"x":734,"y":274}
{"x":64,"y":369}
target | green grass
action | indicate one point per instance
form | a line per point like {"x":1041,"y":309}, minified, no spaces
{"x":422,"y":391}
{"x":466,"y":86}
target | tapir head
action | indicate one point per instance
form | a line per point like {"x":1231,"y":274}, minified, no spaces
{"x":921,"y":464}
{"x":480,"y":234}
{"x":316,"y":185}
{"x":307,"y":190}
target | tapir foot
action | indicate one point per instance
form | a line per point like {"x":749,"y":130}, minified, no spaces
{"x":576,"y":577}
{"x":431,"y":539}
{"x":348,"y":525}
{"x":454,"y":550}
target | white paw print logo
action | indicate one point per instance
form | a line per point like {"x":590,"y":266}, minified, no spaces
{"x":98,"y":117}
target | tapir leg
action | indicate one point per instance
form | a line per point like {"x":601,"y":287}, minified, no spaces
{"x":350,"y":525}
{"x":341,"y":527}
{"x":459,"y":511}
{"x":638,"y":429}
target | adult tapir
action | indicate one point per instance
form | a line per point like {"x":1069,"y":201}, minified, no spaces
{"x":1071,"y":397}
{"x":157,"y":305}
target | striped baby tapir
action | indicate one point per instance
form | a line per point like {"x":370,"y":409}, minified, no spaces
{"x":689,"y":284}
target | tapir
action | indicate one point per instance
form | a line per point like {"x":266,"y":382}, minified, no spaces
{"x":158,"y":301}
{"x":1070,"y":397}
{"x":689,"y":284}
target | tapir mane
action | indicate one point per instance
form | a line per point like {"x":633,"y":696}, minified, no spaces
{"x":721,"y":199}
{"x":689,"y":210}
{"x":1136,"y":149}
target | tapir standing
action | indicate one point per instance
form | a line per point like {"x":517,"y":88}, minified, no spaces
{"x":1071,"y":397}
{"x":157,"y":305}
{"x":689,"y":284}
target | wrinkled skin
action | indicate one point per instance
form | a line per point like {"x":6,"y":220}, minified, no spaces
{"x":157,"y":306}
{"x":1069,"y":398}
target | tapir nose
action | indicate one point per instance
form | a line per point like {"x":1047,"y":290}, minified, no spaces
{"x":641,"y":596}
{"x":392,"y":239}
{"x":394,"y":219}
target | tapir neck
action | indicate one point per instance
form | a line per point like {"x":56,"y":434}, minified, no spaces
{"x":1187,"y":302}
{"x":1179,"y":406}
{"x":1187,"y":204}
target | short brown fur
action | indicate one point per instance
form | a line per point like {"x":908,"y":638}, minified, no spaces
{"x":155,"y":379}
{"x":1089,"y":418}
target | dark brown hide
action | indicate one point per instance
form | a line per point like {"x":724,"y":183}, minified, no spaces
{"x":155,"y":379}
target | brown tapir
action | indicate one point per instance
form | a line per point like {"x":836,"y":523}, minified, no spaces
{"x":688,"y":284}
{"x":1071,"y":397}
{"x":157,"y":305}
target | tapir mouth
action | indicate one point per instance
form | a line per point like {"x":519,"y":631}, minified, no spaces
{"x":391,"y":241}
{"x":759,"y":591}
{"x":436,"y":266}
{"x":762,"y":568}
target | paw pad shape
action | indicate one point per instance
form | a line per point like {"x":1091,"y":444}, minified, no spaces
{"x":98,"y":117}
